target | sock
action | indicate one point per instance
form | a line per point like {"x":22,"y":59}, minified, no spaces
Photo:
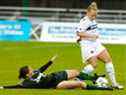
{"x":93,"y":87}
{"x":88,"y":69}
{"x":84,"y":76}
{"x":111,"y":72}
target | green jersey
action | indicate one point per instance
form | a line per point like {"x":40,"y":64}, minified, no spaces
{"x":39,"y":80}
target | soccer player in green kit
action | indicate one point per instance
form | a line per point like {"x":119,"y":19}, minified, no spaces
{"x":58,"y":80}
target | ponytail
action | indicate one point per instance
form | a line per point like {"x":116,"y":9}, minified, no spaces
{"x":92,"y":6}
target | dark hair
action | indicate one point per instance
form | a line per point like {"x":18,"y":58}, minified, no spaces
{"x":23,"y":72}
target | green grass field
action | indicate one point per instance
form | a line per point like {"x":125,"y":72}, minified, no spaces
{"x":13,"y":55}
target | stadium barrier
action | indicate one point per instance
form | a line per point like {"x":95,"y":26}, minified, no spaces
{"x":65,"y":32}
{"x":58,"y":32}
{"x":38,"y":14}
{"x":15,"y":30}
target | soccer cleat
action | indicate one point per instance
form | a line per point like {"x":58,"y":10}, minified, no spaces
{"x":118,"y":86}
{"x":96,"y":76}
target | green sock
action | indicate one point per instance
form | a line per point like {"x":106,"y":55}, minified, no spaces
{"x":84,"y":76}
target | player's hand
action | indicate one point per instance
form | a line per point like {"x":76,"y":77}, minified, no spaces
{"x":54,"y":57}
{"x":94,"y":37}
{"x":78,"y":40}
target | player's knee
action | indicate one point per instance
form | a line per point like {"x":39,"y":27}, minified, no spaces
{"x":72,"y":73}
{"x":108,"y":60}
{"x":93,"y":62}
{"x":94,"y":65}
{"x":76,"y":72}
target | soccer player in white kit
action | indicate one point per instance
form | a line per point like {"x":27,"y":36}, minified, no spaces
{"x":91,"y":47}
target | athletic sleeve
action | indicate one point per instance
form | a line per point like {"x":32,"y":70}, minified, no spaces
{"x":44,"y":67}
{"x":13,"y":86}
{"x":82,"y":26}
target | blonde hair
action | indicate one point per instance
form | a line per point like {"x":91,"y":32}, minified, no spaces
{"x":92,"y":6}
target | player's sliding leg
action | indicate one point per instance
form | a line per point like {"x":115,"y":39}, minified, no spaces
{"x":79,"y":84}
{"x":71,"y":84}
{"x":105,"y":57}
{"x":82,"y":76}
{"x":74,"y":73}
{"x":71,"y":74}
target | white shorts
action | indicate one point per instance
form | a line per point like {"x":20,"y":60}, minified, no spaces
{"x":90,"y":50}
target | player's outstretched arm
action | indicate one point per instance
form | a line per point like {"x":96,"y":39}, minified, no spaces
{"x":11,"y":86}
{"x":49,"y":63}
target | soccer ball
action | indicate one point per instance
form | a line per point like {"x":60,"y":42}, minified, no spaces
{"x":102,"y":82}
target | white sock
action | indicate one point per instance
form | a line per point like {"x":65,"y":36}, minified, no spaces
{"x":88,"y":69}
{"x":111,"y":72}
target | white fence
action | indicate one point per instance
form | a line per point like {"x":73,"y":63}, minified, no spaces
{"x":37,"y":15}
{"x":65,"y":32}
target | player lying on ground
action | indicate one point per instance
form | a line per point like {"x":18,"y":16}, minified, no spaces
{"x":59,"y":80}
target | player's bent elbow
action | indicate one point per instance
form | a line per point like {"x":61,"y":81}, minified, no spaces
{"x":80,"y":34}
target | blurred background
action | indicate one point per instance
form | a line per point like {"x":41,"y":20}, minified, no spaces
{"x":39,"y":11}
{"x":62,"y":10}
{"x":110,"y":10}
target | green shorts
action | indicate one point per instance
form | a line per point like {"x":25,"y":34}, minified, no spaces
{"x":60,"y":76}
{"x":56,"y":78}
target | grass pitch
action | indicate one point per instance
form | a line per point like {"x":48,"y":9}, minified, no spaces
{"x":13,"y":55}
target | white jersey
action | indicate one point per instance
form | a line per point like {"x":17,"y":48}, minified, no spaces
{"x":89,"y":48}
{"x":86,"y":25}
